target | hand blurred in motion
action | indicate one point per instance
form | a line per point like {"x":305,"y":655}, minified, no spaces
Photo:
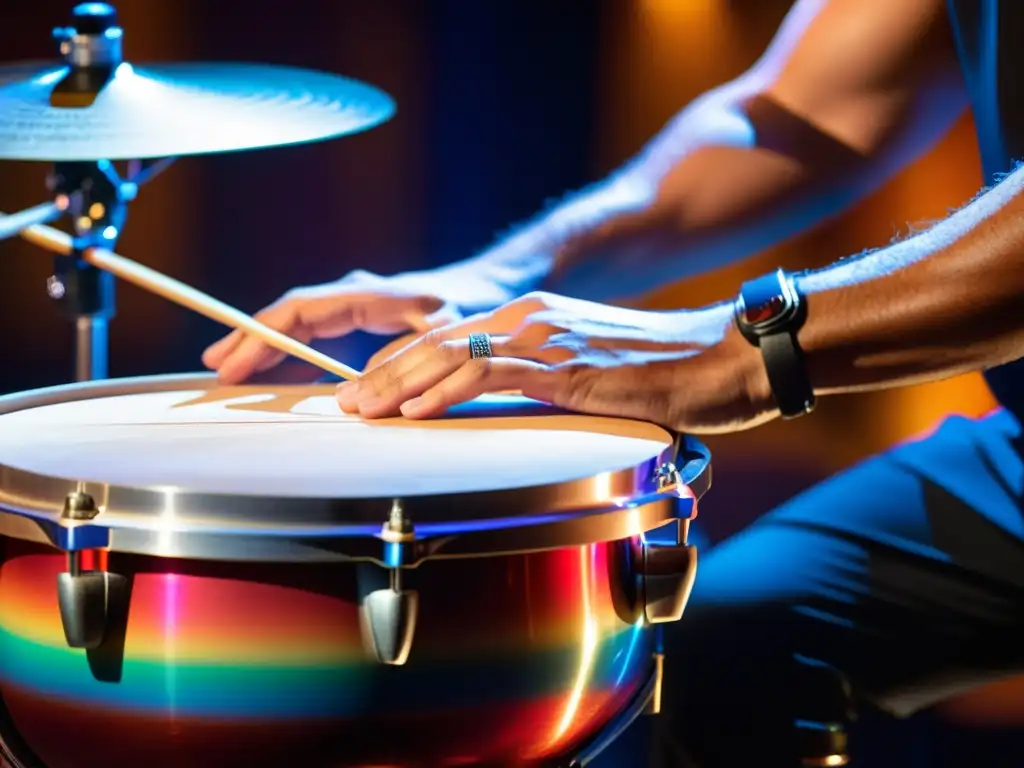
{"x":687,"y":370}
{"x":360,"y":301}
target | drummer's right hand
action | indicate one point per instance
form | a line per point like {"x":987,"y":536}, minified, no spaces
{"x":359,"y":301}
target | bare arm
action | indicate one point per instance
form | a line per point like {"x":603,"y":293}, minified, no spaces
{"x":940,"y":303}
{"x":849,"y":92}
{"x":937,"y":304}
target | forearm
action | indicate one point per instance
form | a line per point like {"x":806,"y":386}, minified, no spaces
{"x":731,"y":176}
{"x":940,"y":303}
{"x":686,"y":193}
{"x":523,"y":260}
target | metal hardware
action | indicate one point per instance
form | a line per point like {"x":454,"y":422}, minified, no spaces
{"x":668,"y":574}
{"x":651,"y":578}
{"x":86,"y":598}
{"x":312,"y":529}
{"x":387,"y":612}
{"x":825,"y":709}
{"x":79,"y":506}
{"x":668,"y":478}
{"x":654,"y":703}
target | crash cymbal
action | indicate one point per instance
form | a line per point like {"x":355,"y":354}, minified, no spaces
{"x":172,"y":110}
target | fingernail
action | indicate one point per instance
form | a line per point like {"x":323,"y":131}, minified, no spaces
{"x":346,"y":391}
{"x":368,"y":402}
{"x":411,"y":406}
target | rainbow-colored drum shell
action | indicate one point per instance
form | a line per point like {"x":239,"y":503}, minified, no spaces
{"x":517,"y":657}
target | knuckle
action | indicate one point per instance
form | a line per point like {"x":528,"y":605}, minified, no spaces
{"x":479,"y":369}
{"x":546,"y":329}
{"x":434,"y":338}
{"x":359,"y":314}
{"x":451,"y":351}
{"x":537,"y":325}
{"x":574,"y":385}
{"x":538,"y":299}
{"x":296,"y":295}
{"x":387,"y":381}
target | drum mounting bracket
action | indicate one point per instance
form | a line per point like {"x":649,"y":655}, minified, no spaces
{"x":653,"y":578}
{"x":387,"y":610}
{"x":87,"y":598}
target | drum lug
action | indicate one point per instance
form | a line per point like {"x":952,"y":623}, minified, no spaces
{"x":651,"y":578}
{"x":668,"y":572}
{"x":387,"y":612}
{"x":387,"y":615}
{"x":86,"y":601}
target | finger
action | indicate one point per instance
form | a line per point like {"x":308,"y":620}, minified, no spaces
{"x":479,"y":377}
{"x":389,"y":350}
{"x":214,"y":354}
{"x":501,"y":321}
{"x":388,"y":364}
{"x":394,"y":389}
{"x":421,"y":324}
{"x":334,"y":315}
{"x":421,"y":321}
{"x":382,"y":373}
{"x":407,"y":357}
{"x":446,"y":315}
{"x":368,"y":386}
{"x":250,"y":357}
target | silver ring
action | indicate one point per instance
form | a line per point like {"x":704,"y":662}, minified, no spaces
{"x":480,"y":346}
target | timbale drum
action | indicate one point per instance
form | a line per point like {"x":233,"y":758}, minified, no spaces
{"x":198,"y":576}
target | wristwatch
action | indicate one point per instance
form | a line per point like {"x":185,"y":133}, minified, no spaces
{"x":769,"y":312}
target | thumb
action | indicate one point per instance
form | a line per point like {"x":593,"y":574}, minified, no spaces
{"x":420,"y":322}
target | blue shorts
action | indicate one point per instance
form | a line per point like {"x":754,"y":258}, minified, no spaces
{"x":904,"y":573}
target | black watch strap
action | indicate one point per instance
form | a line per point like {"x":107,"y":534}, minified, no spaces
{"x":787,"y":374}
{"x":769,"y":312}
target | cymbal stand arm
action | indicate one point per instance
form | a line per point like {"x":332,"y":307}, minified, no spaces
{"x":12,"y":224}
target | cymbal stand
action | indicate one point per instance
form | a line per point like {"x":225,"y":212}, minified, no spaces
{"x":97,"y":204}
{"x":90,"y":191}
{"x":96,"y":198}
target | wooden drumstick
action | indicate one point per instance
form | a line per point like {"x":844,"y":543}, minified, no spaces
{"x":188,"y":297}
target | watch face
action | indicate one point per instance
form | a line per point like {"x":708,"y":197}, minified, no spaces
{"x":764,"y":311}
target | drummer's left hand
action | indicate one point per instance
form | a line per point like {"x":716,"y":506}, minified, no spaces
{"x":688,"y":370}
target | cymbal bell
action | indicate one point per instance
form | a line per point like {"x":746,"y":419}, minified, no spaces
{"x":174,"y":110}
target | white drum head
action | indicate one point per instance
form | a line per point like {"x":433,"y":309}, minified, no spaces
{"x":295,"y":442}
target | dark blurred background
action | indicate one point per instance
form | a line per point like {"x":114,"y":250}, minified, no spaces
{"x":501,"y":106}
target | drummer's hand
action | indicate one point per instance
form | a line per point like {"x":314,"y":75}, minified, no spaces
{"x":359,"y":301}
{"x":690,"y":370}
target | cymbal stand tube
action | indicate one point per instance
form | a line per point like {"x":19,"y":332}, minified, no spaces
{"x":91,"y":340}
{"x":98,"y":207}
{"x":96,"y":195}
